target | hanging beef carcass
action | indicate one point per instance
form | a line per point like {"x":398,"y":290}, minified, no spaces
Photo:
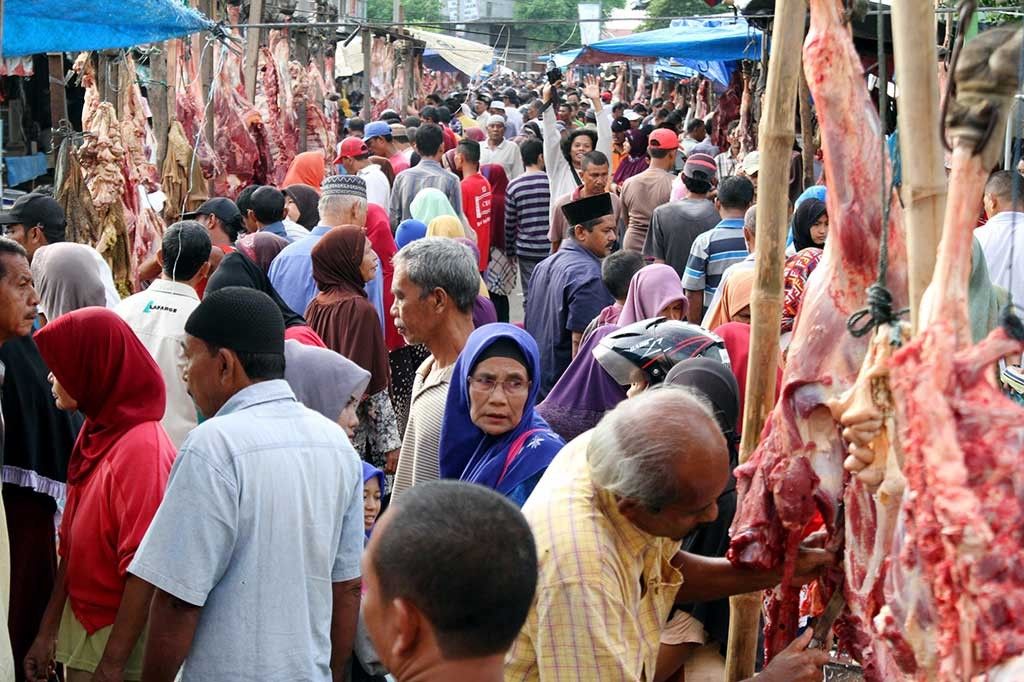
{"x":277,"y":104}
{"x":956,"y":589}
{"x":189,"y":107}
{"x":728,"y":110}
{"x":747,"y":129}
{"x":103,"y":162}
{"x":319,"y":130}
{"x":797,"y":470}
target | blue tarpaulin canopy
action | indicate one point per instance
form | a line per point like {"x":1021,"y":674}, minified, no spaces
{"x":35,"y":26}
{"x":717,"y":72}
{"x":709,"y":40}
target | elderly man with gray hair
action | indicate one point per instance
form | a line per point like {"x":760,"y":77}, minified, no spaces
{"x":435,"y":285}
{"x":608,"y":518}
{"x":342,"y":202}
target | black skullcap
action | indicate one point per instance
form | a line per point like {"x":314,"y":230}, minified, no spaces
{"x":590,"y":208}
{"x":239,"y":319}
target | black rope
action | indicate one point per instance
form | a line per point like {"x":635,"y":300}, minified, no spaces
{"x":879,"y":310}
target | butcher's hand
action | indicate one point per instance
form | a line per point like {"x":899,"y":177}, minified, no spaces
{"x":860,"y":454}
{"x":795,"y":663}
{"x":810,"y":563}
{"x":391,"y":464}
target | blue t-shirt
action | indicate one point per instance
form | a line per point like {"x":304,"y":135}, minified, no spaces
{"x":263,"y":512}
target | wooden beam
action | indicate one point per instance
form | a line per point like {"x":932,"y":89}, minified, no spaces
{"x":206,"y":80}
{"x":775,"y":141}
{"x":807,"y":131}
{"x":923,"y":187}
{"x":367,"y":48}
{"x":253,"y":37}
{"x":156,"y":93}
{"x":58,"y":94}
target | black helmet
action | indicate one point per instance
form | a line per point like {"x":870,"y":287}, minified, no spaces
{"x":656,"y":346}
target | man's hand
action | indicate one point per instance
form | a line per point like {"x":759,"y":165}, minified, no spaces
{"x":592,"y":88}
{"x":39,"y":661}
{"x":810,"y":562}
{"x":796,"y":663}
{"x":546,"y":93}
{"x":391,"y":465}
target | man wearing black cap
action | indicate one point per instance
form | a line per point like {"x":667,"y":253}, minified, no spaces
{"x":566,"y":289}
{"x":255,"y":548}
{"x":221,"y":218}
{"x":37,"y":220}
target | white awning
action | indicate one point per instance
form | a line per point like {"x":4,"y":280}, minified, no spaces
{"x":465,"y":55}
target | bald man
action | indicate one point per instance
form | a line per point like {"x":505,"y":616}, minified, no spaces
{"x":608,"y":518}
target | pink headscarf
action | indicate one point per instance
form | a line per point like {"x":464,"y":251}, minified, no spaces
{"x":652,"y":289}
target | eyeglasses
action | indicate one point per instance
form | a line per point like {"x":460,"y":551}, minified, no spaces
{"x":511,"y":387}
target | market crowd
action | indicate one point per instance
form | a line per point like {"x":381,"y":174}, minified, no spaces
{"x":316,"y":446}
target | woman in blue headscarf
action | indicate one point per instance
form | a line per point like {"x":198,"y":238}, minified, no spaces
{"x":491,"y":434}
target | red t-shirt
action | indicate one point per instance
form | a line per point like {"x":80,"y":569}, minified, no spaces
{"x":476,"y":203}
{"x":112,"y":509}
{"x":399,"y":163}
{"x":450,"y":141}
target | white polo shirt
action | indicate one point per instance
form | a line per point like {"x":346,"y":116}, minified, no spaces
{"x":157,"y":316}
{"x":378,"y":189}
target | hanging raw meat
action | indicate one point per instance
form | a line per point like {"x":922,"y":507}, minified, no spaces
{"x":956,"y":591}
{"x":86,"y":71}
{"x":277,"y":103}
{"x":103,"y":160}
{"x":797,"y":470}
{"x":748,"y":128}
{"x":134,"y":126}
{"x":319,"y":131}
{"x":83,"y":224}
{"x":189,"y":106}
{"x":728,"y":109}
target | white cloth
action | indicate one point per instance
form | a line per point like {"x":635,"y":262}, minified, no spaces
{"x":107,"y":277}
{"x":294,"y":230}
{"x":378,"y":189}
{"x":513,"y":122}
{"x":1001,"y":235}
{"x":559,"y":171}
{"x":157,"y":316}
{"x":506,"y":154}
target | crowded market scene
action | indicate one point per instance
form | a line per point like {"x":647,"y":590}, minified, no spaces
{"x":340,"y":347}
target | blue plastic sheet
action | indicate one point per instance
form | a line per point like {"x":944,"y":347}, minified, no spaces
{"x":24,"y":168}
{"x":35,"y":26}
{"x":710,"y":40}
{"x":718,"y":72}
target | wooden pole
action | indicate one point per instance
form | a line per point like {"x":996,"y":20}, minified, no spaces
{"x":807,"y":131}
{"x":206,"y":80}
{"x":156,"y":93}
{"x":58,"y":94}
{"x":923,"y":187}
{"x":775,"y":138}
{"x":367,"y":48}
{"x":253,"y":36}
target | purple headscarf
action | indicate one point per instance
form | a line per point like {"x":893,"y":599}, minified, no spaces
{"x":370,"y":471}
{"x":636,"y":162}
{"x":652,"y":289}
{"x":584,"y":393}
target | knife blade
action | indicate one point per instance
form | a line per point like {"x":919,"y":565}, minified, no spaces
{"x":823,"y":625}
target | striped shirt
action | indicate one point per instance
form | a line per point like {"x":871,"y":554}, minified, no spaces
{"x":711,"y":254}
{"x":604,"y":587}
{"x":527,"y":206}
{"x":418,"y":460}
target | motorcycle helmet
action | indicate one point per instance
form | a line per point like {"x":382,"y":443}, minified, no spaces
{"x":654,"y":347}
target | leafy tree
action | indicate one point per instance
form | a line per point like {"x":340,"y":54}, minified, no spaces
{"x":679,"y":8}
{"x":546,"y":37}
{"x":415,"y":10}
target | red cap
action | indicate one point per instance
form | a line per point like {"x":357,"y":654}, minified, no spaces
{"x":351,"y":147}
{"x":663,"y":138}
{"x":606,"y":96}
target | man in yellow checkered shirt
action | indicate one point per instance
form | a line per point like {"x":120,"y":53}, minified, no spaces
{"x":608,"y":518}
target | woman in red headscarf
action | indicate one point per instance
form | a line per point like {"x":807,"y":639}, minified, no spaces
{"x":308,"y":168}
{"x":116,"y":478}
{"x":343,"y":262}
{"x":500,"y":275}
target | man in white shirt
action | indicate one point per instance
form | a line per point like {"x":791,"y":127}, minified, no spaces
{"x":355,"y":157}
{"x":500,"y":150}
{"x":1002,"y":237}
{"x":158,"y":314}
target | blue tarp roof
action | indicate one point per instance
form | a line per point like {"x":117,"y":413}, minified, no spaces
{"x":35,"y":26}
{"x":707,"y":40}
{"x":718,"y":72}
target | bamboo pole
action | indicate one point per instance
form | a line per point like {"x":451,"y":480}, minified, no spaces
{"x":775,"y":138}
{"x":156,"y":93}
{"x":367,"y":64}
{"x":923,"y":187}
{"x":253,"y":36}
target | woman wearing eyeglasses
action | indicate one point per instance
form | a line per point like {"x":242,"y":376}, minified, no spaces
{"x":491,"y":434}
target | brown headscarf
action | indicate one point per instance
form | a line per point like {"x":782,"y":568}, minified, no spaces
{"x":341,"y":313}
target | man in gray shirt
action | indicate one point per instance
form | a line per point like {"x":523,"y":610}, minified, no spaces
{"x":674,"y":226}
{"x":256,"y":546}
{"x":427,"y":173}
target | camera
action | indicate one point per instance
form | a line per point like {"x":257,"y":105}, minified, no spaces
{"x":553,"y":73}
